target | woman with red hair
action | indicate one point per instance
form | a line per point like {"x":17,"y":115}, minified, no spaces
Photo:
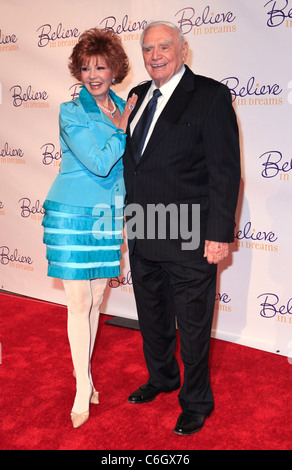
{"x":83,"y":219}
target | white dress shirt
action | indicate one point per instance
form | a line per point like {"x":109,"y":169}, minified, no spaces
{"x":167,"y":89}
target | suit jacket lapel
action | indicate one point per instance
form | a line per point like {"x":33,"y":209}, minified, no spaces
{"x":142,"y":93}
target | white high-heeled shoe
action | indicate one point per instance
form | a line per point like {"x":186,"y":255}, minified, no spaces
{"x":94,"y":397}
{"x":78,"y":419}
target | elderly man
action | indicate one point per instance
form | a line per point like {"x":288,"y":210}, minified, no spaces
{"x":187,"y":157}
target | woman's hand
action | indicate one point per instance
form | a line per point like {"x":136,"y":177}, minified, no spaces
{"x":131,"y":103}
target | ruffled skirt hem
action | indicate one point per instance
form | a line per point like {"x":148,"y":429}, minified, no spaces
{"x":82,"y":243}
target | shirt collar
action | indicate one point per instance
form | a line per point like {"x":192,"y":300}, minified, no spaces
{"x":168,"y":88}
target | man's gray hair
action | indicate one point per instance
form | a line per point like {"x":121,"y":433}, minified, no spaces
{"x":163,"y":23}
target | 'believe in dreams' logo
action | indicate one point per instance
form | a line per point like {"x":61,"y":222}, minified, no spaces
{"x":48,"y":35}
{"x":28,"y":97}
{"x":8,"y":256}
{"x":252,"y":92}
{"x":50,"y":154}
{"x":278,"y":12}
{"x":271,"y":305}
{"x":30,"y":209}
{"x":274,"y":165}
{"x":189,"y":18}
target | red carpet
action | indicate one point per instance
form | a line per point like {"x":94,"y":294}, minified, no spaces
{"x":252,"y":391}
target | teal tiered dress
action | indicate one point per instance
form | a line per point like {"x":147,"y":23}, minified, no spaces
{"x":83,"y":221}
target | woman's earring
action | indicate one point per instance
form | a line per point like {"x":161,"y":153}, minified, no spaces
{"x":113,"y":81}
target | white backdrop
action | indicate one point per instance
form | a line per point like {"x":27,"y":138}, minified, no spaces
{"x":247,"y":45}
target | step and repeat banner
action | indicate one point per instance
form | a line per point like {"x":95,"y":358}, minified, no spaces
{"x":246,"y":45}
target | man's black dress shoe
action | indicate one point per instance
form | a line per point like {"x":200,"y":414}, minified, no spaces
{"x":144,"y":394}
{"x":189,"y":422}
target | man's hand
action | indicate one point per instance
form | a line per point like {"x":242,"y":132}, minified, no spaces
{"x":215,"y":251}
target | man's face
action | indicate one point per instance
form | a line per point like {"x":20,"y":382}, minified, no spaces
{"x":163,"y":53}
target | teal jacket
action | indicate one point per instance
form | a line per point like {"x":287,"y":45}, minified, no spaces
{"x":92,"y":169}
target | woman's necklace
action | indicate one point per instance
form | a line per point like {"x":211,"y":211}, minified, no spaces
{"x":112,"y":113}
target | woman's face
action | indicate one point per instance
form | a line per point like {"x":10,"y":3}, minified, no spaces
{"x":97,"y":77}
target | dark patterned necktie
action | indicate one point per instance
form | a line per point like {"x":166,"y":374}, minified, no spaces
{"x":142,"y":126}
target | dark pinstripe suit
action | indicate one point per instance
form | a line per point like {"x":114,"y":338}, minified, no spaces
{"x":192,"y":158}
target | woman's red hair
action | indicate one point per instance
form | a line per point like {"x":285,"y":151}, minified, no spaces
{"x":103,"y":43}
